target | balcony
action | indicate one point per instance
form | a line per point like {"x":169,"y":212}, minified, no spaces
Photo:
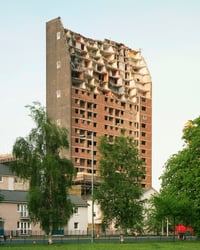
{"x":95,"y":54}
{"x":91,"y":45}
{"x":77,"y":74}
{"x":89,"y":73}
{"x":107,"y":50}
{"x":24,"y":215}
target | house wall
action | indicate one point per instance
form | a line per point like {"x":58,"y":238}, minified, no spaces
{"x":82,"y":219}
{"x":149,"y":193}
{"x":4,"y":182}
{"x":97,"y":217}
{"x":13,"y":183}
{"x":10,"y":216}
{"x":97,"y":213}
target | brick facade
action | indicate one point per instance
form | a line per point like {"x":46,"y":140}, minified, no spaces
{"x":100,"y":88}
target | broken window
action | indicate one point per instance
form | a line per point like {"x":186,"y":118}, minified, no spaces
{"x":58,"y":64}
{"x":58,"y":35}
{"x":143,"y":99}
{"x":82,"y":46}
{"x":89,"y":105}
{"x":144,"y":117}
{"x":143,"y":142}
{"x":143,"y":125}
{"x":117,"y":112}
{"x":58,"y":93}
{"x":143,"y":108}
{"x":82,"y":104}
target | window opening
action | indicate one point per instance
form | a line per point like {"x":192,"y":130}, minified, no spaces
{"x":58,"y":35}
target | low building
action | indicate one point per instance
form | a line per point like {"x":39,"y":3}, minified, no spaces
{"x":14,"y":214}
{"x":14,"y":217}
{"x":15,"y":221}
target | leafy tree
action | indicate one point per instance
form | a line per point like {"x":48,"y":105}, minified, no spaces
{"x":120,"y":190}
{"x":167,"y":207}
{"x":181,"y":178}
{"x":38,"y":160}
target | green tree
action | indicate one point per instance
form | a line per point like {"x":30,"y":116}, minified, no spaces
{"x":119,"y":192}
{"x":181,"y":177}
{"x":38,"y":160}
{"x":167,"y":207}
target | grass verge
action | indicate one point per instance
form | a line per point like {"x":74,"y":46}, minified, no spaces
{"x":179,"y":245}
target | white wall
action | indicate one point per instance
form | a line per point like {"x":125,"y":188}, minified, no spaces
{"x":81,"y":218}
{"x":97,"y":212}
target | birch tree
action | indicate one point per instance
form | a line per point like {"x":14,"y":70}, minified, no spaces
{"x":50,"y":176}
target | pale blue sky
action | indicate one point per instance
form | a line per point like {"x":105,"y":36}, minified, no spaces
{"x":168,"y":32}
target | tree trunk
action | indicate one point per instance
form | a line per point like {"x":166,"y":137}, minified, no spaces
{"x":121,"y":235}
{"x":174,"y":228}
{"x":50,"y":240}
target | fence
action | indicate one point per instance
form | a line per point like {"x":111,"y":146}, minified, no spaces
{"x":75,"y":234}
{"x":87,"y":239}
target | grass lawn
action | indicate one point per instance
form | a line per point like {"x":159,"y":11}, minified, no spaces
{"x":178,"y":245}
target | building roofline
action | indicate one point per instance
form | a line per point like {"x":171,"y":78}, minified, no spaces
{"x":20,"y":196}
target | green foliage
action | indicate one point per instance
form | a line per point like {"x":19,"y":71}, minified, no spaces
{"x":38,"y":160}
{"x":167,"y":207}
{"x":1,"y":197}
{"x":181,"y":179}
{"x":120,"y":191}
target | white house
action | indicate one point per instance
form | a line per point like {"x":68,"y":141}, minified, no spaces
{"x":78,"y":223}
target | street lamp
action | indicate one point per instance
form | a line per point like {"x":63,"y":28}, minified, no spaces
{"x":92,"y":191}
{"x":92,"y":183}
